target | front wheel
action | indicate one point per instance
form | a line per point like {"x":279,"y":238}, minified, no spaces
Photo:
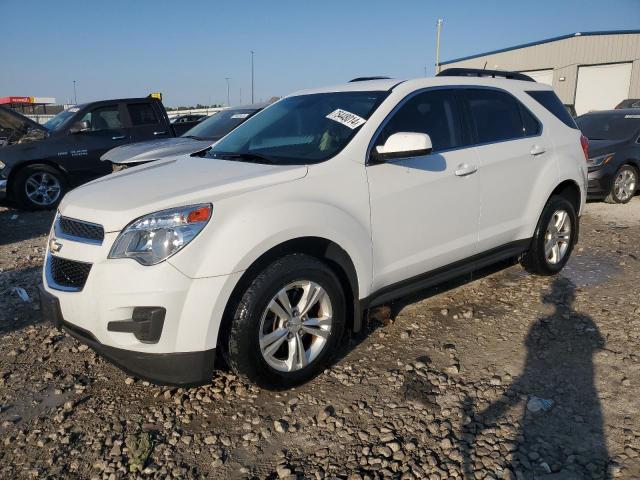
{"x":553,"y":239}
{"x":624,"y":185}
{"x":38,"y":187}
{"x":288,"y":323}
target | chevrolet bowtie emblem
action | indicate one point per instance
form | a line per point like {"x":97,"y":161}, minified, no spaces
{"x":54,"y":245}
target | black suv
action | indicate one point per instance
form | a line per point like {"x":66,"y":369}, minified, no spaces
{"x":614,"y":153}
{"x":36,"y":171}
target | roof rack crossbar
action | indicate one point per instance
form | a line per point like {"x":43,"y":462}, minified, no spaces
{"x":478,"y":72}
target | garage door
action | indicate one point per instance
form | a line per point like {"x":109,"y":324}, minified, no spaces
{"x":602,"y":87}
{"x":542,"y":76}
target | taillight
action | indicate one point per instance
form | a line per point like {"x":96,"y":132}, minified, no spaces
{"x":584,"y":142}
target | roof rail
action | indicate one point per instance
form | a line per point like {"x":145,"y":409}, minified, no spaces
{"x":478,"y":72}
{"x":364,"y":79}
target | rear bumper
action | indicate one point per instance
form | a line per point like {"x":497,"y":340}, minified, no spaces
{"x":176,"y":368}
{"x":600,"y":182}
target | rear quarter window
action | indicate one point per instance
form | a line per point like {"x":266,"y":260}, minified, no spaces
{"x":552,"y":103}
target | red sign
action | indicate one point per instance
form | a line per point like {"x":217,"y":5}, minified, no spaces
{"x":4,"y":100}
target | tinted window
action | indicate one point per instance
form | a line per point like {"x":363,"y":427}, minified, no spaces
{"x":551,"y":102}
{"x":495,"y":115}
{"x":103,"y":118}
{"x":609,"y":126}
{"x":433,"y":113}
{"x":142,"y":114}
{"x":219,"y":124}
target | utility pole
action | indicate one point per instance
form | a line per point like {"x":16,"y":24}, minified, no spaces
{"x":252,"y":52}
{"x":75,"y":98}
{"x":240,"y":96}
{"x":439,"y":29}
{"x":228,"y":102}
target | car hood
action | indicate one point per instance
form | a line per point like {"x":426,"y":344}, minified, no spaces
{"x":16,"y":128}
{"x":600,"y":147}
{"x":117,"y":199}
{"x":155,"y":150}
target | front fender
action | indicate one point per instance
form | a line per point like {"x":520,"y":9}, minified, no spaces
{"x":236,"y":239}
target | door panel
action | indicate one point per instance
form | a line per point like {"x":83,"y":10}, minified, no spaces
{"x":425,"y":209}
{"x":514,"y":155}
{"x":423,"y":216}
{"x":146,"y":122}
{"x":107,"y":130}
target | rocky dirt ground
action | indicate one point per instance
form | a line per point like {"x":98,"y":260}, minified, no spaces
{"x":506,"y":376}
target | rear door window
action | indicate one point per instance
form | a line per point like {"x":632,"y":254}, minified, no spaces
{"x":495,"y":116}
{"x":142,"y":114}
{"x":432,"y":112}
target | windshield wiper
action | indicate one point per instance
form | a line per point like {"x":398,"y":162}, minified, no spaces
{"x":244,"y":157}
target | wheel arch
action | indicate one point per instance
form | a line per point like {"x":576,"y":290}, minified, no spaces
{"x":570,"y":190}
{"x":321,"y":248}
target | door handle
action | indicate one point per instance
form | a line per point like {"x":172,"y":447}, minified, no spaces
{"x":160,"y":133}
{"x":464,"y":170}
{"x":537,"y":150}
{"x":119,"y":137}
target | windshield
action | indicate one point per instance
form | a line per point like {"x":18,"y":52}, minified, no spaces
{"x":59,"y":119}
{"x":300,"y":130}
{"x":218,"y":125}
{"x":609,"y":126}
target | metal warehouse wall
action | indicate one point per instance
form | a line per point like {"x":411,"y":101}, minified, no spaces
{"x":565,"y":56}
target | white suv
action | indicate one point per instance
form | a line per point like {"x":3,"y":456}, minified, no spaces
{"x":268,"y":247}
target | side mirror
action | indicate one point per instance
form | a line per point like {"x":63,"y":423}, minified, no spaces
{"x":80,"y":127}
{"x":403,"y":145}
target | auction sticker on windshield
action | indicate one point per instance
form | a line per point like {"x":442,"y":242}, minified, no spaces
{"x":348,"y":119}
{"x":240,"y":115}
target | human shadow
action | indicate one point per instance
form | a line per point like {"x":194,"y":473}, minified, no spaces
{"x":561,"y":427}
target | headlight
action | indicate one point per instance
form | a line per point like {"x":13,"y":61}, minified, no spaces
{"x":155,"y":237}
{"x":2,"y":165}
{"x":600,"y":160}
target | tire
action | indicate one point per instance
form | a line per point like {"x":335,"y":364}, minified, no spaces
{"x":539,"y":260}
{"x":276,"y":365}
{"x":38,"y":187}
{"x":623,"y":186}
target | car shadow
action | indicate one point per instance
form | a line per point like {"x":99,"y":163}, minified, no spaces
{"x":561,"y":427}
{"x":16,"y":312}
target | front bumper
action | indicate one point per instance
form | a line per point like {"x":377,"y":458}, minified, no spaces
{"x":184,"y":368}
{"x":103,"y":312}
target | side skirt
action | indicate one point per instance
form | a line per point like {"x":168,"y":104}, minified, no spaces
{"x":445,"y":274}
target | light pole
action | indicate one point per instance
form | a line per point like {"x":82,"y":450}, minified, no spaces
{"x":439,"y":29}
{"x":227,"y":79}
{"x":75,"y":98}
{"x":252,"y":52}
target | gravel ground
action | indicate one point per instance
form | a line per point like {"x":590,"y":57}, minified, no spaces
{"x":506,"y":376}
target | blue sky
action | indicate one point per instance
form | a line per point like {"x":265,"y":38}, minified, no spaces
{"x":185,"y":49}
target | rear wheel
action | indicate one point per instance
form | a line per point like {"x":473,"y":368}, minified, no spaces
{"x":288,"y":323}
{"x":38,"y":187}
{"x":624,"y":185}
{"x":553,"y":239}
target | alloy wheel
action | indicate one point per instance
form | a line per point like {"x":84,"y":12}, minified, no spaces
{"x":624,"y":186}
{"x":295,"y":326}
{"x":557,"y":237}
{"x":42,"y":188}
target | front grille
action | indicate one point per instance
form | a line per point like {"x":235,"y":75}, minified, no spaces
{"x":80,"y":229}
{"x":69,"y":273}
